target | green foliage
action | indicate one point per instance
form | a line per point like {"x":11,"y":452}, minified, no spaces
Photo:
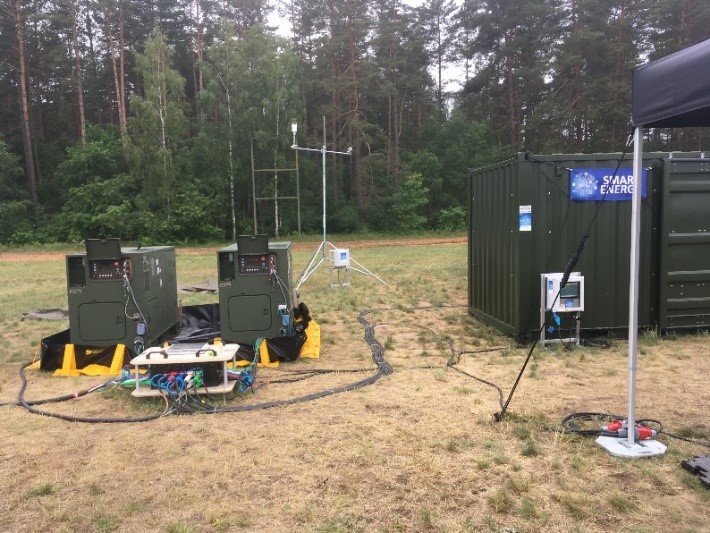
{"x":344,"y":218}
{"x":452,"y":219}
{"x":250,"y":97}
{"x":450,"y":151}
{"x":16,"y":222}
{"x":378,"y":214}
{"x":541,"y":75}
{"x":409,"y":203}
{"x":429,"y":165}
{"x":10,"y":173}
{"x":190,"y":219}
{"x":100,"y":208}
{"x":101,"y":157}
{"x":15,"y":208}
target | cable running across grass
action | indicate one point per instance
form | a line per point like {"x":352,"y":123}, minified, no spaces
{"x":70,"y":418}
{"x":179,"y":398}
{"x":456,"y":355}
{"x":568,"y":270}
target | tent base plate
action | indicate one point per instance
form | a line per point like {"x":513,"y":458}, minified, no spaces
{"x":619,"y":447}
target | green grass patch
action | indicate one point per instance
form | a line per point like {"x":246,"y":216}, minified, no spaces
{"x":530,"y":449}
{"x":501,"y":501}
{"x":178,"y":527}
{"x":106,"y":523}
{"x":622,"y":503}
{"x":45,"y":489}
{"x":458,"y":445}
{"x":579,"y":507}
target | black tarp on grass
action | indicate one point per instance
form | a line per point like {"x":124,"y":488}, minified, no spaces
{"x":52,"y":353}
{"x":198,"y":323}
{"x":674,"y":91}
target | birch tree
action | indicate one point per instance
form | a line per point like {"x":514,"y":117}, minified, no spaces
{"x":158,"y":127}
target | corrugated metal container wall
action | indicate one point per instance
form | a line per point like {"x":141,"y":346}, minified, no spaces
{"x":685,"y":244}
{"x":493,"y":244}
{"x":506,"y":254}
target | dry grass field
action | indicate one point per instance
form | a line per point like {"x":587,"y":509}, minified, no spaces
{"x":417,"y":450}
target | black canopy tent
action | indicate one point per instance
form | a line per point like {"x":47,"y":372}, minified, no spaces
{"x":672,"y":92}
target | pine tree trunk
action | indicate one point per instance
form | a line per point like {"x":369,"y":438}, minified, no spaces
{"x":513,"y":108}
{"x":122,"y":123}
{"x":394,"y":106}
{"x":577,"y":104}
{"x":199,"y":47}
{"x":621,"y":38}
{"x":25,"y":122}
{"x":92,"y":61}
{"x":122,"y":113}
{"x":439,"y":60}
{"x":356,"y":172}
{"x":78,"y":78}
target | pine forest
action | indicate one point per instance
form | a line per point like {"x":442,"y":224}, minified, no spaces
{"x":173,"y":121}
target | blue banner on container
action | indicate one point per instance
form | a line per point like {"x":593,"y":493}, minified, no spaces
{"x":594,"y":184}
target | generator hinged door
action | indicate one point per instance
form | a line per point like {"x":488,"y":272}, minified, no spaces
{"x":685,"y":245}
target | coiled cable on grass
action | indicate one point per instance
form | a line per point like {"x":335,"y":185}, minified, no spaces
{"x":191,"y":403}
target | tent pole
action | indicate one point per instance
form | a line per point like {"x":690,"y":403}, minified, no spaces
{"x":627,"y":446}
{"x":634,"y":278}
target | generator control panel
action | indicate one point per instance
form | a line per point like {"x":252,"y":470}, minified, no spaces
{"x":571,"y":296}
{"x":110,"y":269}
{"x":258,"y":263}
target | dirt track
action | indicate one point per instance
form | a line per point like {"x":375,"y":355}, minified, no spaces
{"x":300,"y":246}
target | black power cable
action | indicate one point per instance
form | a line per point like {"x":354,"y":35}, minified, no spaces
{"x":568,"y":270}
{"x":571,"y":424}
{"x":69,"y":418}
{"x":383,"y":369}
{"x":191,"y":404}
{"x":456,"y":355}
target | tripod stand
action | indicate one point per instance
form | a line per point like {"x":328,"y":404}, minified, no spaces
{"x":325,"y":246}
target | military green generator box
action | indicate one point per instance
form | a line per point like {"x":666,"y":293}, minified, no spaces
{"x":255,"y":282}
{"x":121,"y":295}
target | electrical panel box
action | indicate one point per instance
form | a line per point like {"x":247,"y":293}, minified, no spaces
{"x":571,"y":296}
{"x":255,"y":289}
{"x":121,"y":295}
{"x":341,"y":258}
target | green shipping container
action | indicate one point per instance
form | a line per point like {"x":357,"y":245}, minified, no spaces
{"x":525,"y":219}
{"x":685,"y":244}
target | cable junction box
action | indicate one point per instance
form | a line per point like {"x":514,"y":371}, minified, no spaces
{"x":211,"y":359}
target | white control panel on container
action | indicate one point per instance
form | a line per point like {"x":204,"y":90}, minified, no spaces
{"x":571,"y":296}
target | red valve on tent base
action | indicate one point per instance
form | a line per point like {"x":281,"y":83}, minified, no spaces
{"x":620,"y":428}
